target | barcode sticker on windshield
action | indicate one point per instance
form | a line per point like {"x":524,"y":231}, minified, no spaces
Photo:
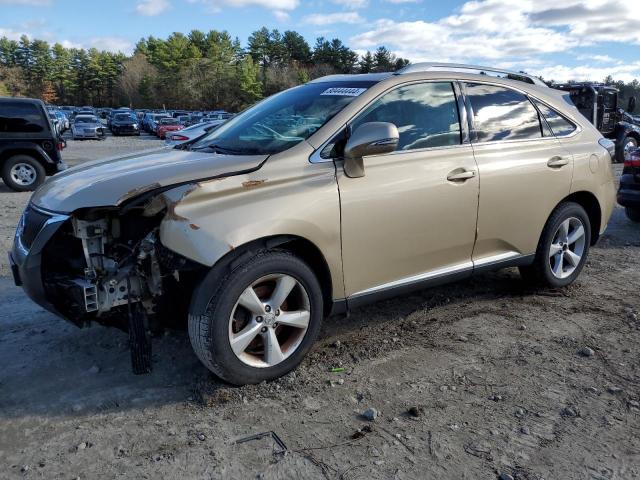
{"x":344,"y":92}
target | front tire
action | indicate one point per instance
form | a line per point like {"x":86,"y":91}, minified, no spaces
{"x":23,"y":173}
{"x":633,"y":213}
{"x":563,"y":248}
{"x":261,"y":320}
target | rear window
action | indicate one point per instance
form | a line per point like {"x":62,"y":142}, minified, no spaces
{"x":500,"y":113}
{"x":559,"y":125}
{"x":19,"y":117}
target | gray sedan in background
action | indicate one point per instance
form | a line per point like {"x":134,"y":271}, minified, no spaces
{"x":189,"y":133}
{"x":87,"y":126}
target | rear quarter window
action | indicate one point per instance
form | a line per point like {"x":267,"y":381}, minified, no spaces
{"x":19,"y":117}
{"x":559,"y":125}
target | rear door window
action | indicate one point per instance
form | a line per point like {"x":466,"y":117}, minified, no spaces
{"x":19,"y":117}
{"x":500,"y":113}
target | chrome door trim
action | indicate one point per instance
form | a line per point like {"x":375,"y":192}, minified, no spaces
{"x":442,"y":272}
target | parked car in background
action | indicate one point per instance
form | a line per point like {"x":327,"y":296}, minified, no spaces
{"x":167,"y":125}
{"x":193,"y":119}
{"x":155,"y":120}
{"x":115,"y":112}
{"x":629,"y":190}
{"x":191,"y":133}
{"x":125,"y":124}
{"x":64,"y":120}
{"x":371,"y":189}
{"x":29,"y":144}
{"x":87,"y":126}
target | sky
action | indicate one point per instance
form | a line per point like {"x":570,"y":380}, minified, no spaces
{"x":559,"y":40}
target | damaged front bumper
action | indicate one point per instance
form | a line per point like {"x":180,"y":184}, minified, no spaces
{"x":35,"y":229}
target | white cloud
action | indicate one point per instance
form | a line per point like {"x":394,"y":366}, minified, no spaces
{"x":151,"y":8}
{"x":353,"y":4}
{"x":332,"y":18}
{"x":516,"y":32}
{"x":281,"y":15}
{"x":563,"y":73}
{"x":110,"y":44}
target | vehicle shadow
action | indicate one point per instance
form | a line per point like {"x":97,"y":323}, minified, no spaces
{"x":53,"y":368}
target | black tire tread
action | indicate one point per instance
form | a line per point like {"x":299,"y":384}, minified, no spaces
{"x":199,"y":326}
{"x":6,"y":168}
{"x":534,"y":274}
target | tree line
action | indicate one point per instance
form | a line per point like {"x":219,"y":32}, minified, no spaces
{"x":200,"y":70}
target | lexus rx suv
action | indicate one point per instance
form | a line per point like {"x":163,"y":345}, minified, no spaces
{"x":345,"y":190}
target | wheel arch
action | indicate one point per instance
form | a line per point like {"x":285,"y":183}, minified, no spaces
{"x":591,"y":205}
{"x":7,"y":153}
{"x":299,"y":246}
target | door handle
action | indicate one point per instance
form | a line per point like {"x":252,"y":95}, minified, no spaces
{"x":557,"y":162}
{"x":460,"y":176}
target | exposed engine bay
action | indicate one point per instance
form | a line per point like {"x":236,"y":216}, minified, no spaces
{"x":105,"y":263}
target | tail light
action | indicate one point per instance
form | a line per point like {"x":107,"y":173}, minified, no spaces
{"x":60,"y":146}
{"x":179,"y":137}
{"x":633,"y":160}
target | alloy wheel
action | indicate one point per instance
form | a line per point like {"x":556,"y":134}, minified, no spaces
{"x":567,"y":248}
{"x":269,"y":320}
{"x":23,"y":174}
{"x":630,"y":144}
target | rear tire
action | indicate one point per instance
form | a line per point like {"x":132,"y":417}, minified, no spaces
{"x":215,"y":335}
{"x":23,"y":173}
{"x":629,"y":143}
{"x":563,"y":248}
{"x":633,"y":213}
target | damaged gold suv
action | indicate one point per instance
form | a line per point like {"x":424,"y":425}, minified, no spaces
{"x":342,"y":191}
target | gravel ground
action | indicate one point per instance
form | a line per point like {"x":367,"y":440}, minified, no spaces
{"x":469,"y":381}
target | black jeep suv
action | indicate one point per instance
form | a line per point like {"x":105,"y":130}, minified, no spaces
{"x":29,"y":144}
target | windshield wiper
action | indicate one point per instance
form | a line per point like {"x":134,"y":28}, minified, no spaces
{"x":223,"y":150}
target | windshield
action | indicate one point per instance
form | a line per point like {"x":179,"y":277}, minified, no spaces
{"x":283,"y":120}
{"x":169,"y":121}
{"x":124,"y":116}
{"x":86,"y":120}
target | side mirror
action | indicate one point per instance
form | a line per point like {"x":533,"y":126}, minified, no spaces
{"x":632,"y":105}
{"x":373,"y":138}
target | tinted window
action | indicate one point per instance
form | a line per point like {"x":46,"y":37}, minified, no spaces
{"x":559,"y":125}
{"x":426,"y":115}
{"x":18,"y":117}
{"x":502,"y":114}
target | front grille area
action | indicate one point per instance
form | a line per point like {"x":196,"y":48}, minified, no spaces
{"x":32,"y":222}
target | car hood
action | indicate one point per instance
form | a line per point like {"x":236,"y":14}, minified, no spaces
{"x":112,"y":181}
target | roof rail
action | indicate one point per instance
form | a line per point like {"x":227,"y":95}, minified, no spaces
{"x":458,"y":67}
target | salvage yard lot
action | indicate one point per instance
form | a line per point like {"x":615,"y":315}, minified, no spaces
{"x":471,"y":380}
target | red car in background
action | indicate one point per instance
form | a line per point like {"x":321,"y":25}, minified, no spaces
{"x":168,"y":125}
